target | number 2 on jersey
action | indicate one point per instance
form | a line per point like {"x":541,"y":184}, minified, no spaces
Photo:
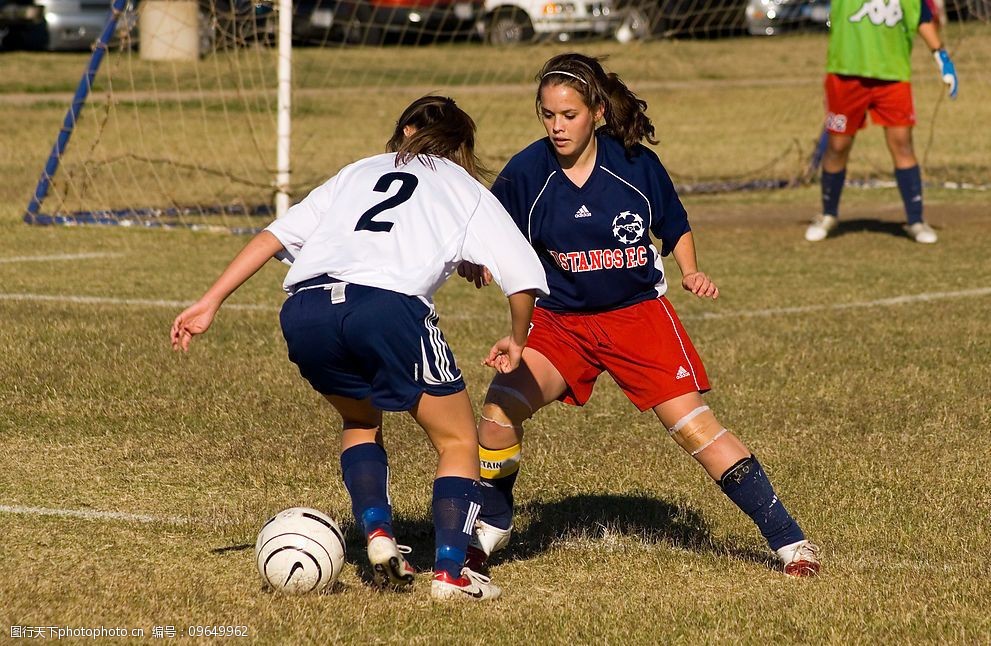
{"x":408,"y":184}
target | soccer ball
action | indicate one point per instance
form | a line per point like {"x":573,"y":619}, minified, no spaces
{"x":300,"y":550}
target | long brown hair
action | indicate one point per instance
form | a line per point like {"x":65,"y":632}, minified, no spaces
{"x":624,"y":112}
{"x":442,"y":129}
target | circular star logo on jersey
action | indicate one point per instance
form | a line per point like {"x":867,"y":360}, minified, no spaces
{"x":627,"y":227}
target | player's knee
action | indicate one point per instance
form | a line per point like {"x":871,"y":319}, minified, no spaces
{"x":697,"y":430}
{"x":506,"y":407}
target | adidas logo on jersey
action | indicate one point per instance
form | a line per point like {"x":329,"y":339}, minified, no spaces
{"x":583,"y":212}
{"x":682,"y":373}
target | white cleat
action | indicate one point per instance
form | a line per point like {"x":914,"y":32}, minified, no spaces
{"x":486,"y":540}
{"x":921,"y":232}
{"x":821,"y":227}
{"x":799,"y":559}
{"x":389,"y":566}
{"x":470,"y":586}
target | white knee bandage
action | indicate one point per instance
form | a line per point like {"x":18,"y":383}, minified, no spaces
{"x":697,"y":430}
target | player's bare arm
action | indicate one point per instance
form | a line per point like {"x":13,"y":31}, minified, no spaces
{"x":692,"y":279}
{"x":506,"y":354}
{"x":196,"y":318}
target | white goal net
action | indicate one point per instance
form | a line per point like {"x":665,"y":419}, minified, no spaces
{"x":179,"y":126}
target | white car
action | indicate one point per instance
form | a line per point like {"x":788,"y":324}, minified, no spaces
{"x":510,"y":22}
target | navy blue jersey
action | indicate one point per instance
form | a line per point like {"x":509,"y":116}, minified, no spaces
{"x":593,"y":241}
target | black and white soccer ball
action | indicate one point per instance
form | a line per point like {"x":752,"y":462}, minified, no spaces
{"x":300,"y":550}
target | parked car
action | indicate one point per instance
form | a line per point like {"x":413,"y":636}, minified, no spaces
{"x":687,"y":18}
{"x":63,"y":25}
{"x":770,"y":17}
{"x":74,"y":25}
{"x":314,"y":22}
{"x":509,"y":22}
{"x":374,"y":22}
{"x":16,"y":16}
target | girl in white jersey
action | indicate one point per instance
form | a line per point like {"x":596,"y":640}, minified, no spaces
{"x":368,"y":250}
{"x":588,"y":201}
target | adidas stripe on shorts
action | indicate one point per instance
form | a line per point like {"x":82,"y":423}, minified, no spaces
{"x":357,"y":341}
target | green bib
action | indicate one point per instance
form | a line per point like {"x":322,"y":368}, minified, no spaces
{"x":873,"y":38}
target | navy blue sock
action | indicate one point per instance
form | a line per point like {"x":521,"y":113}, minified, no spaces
{"x":456,"y":504}
{"x":832,"y":188}
{"x":497,"y":508}
{"x":747,"y":485}
{"x":366,"y":475}
{"x":910,"y":186}
{"x":499,"y":467}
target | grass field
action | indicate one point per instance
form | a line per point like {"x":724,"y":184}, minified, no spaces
{"x":858,"y":371}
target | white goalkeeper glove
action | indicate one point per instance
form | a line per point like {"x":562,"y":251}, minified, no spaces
{"x":946,"y":71}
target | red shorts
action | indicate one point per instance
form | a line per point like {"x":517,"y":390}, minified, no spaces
{"x":643,"y":347}
{"x":850,"y":98}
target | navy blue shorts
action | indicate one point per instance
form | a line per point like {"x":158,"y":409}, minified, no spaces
{"x":357,"y":341}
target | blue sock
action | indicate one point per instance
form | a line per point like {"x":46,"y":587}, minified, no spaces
{"x":499,"y":470}
{"x":366,"y":475}
{"x":832,"y":188}
{"x":910,"y":186}
{"x":747,"y":485}
{"x":497,"y":508}
{"x":456,"y":504}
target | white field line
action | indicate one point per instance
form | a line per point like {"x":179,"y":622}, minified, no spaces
{"x":140,"y":302}
{"x":881,"y":302}
{"x":63,"y":256}
{"x":774,"y":311}
{"x":90,"y":514}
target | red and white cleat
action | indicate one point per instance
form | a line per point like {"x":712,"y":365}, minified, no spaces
{"x":799,"y":559}
{"x":390,"y":569}
{"x":470,"y":586}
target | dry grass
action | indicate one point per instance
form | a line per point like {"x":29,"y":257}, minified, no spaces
{"x":868,"y":418}
{"x":871,"y":421}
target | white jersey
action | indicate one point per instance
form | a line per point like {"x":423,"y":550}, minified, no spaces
{"x":404,"y":229}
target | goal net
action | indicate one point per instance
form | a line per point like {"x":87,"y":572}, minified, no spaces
{"x":178,"y":127}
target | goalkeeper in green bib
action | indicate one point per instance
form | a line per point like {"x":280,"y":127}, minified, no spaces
{"x":868,"y":71}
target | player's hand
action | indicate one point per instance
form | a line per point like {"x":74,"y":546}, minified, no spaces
{"x":505,"y":355}
{"x":478,"y":274}
{"x":947,"y":71}
{"x":193,"y":320}
{"x":700,"y":285}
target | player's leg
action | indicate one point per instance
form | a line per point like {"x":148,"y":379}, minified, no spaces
{"x":511,"y":400}
{"x":654,"y":362}
{"x":457,"y":497}
{"x":908,"y":176}
{"x":832,"y":179}
{"x":309,"y":319}
{"x":894,"y":109}
{"x":731,"y":464}
{"x":846,"y":110}
{"x":365,"y":469}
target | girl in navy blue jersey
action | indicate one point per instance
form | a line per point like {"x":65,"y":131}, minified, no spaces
{"x":587,"y":200}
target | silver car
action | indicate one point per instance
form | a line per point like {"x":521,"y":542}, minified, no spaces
{"x":75,"y":25}
{"x":770,"y":17}
{"x":509,"y":22}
